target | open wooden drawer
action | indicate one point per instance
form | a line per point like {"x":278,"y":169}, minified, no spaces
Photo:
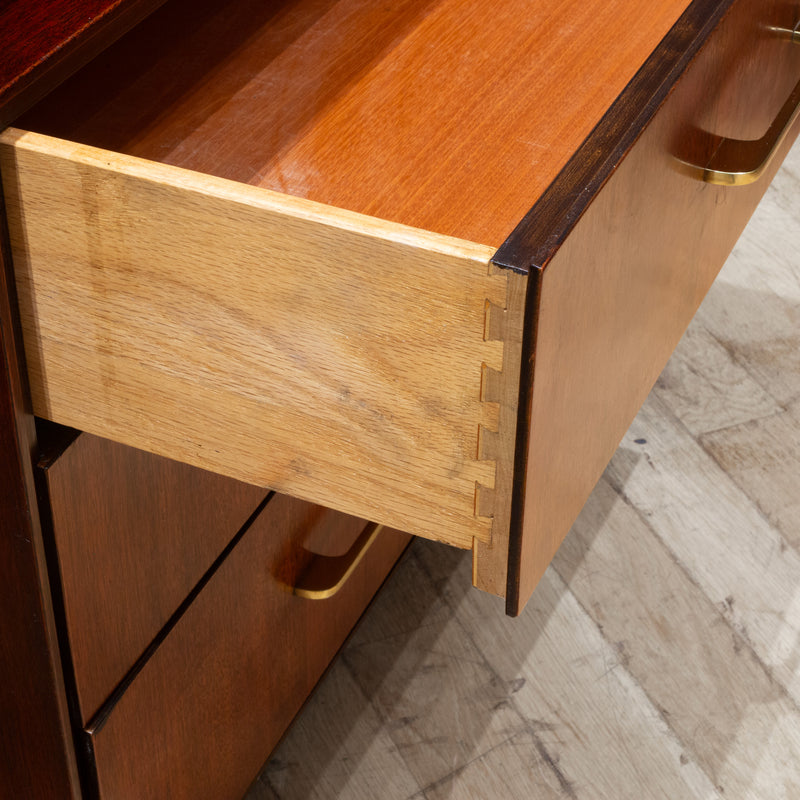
{"x":265,"y":242}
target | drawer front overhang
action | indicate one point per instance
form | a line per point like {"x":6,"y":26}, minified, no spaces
{"x":623,"y":252}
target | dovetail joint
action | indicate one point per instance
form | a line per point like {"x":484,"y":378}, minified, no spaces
{"x":494,"y":323}
{"x":488,"y":445}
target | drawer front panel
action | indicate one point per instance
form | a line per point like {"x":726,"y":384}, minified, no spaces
{"x":133,"y":533}
{"x":616,"y":297}
{"x":200,"y":718}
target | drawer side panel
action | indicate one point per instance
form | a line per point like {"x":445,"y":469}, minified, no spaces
{"x":321,"y":353}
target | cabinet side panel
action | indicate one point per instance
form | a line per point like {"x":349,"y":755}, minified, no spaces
{"x":324,"y":354}
{"x":37,"y":760}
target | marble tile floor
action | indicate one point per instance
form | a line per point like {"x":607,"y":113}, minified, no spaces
{"x":660,"y":655}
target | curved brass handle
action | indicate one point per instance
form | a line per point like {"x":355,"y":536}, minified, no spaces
{"x":326,"y":575}
{"x":790,"y":34}
{"x":737,"y":162}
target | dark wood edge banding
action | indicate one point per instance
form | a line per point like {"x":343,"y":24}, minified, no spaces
{"x":40,"y":760}
{"x":542,"y":231}
{"x":47,"y":62}
{"x":513,"y":605}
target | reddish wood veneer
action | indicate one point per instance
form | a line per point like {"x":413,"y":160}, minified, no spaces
{"x":213,"y":699}
{"x":374,"y":108}
{"x":134,"y":533}
{"x":44,"y":41}
{"x":37,"y":761}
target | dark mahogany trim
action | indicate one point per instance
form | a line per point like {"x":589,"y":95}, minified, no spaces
{"x":513,"y":606}
{"x":537,"y":238}
{"x":45,"y":41}
{"x":38,"y":757}
{"x":543,"y":230}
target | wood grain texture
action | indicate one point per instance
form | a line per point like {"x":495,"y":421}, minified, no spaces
{"x":205,"y":710}
{"x":578,"y":714}
{"x":754,"y":316}
{"x":119,"y":515}
{"x":439,"y":701}
{"x":554,"y":213}
{"x":707,"y":390}
{"x":444,"y":115}
{"x":613,"y":301}
{"x":762,"y":456}
{"x":45,"y":41}
{"x":38,"y":758}
{"x":342,"y":727}
{"x":724,"y":707}
{"x":748,"y":569}
{"x":631,"y":587}
{"x":512,"y":769}
{"x":326,"y":354}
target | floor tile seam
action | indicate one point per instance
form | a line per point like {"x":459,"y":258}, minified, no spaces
{"x":264,"y":775}
{"x":656,"y":709}
{"x":698,"y":438}
{"x":741,"y":424}
{"x":529,"y":727}
{"x":526,"y":729}
{"x":385,"y":724}
{"x":754,"y":501}
{"x":718,"y":610}
{"x":492,"y":673}
{"x":697,"y":434}
{"x":381,"y":718}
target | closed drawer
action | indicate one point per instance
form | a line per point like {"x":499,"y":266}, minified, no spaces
{"x":201,"y":715}
{"x":133,"y":533}
{"x":356,"y":339}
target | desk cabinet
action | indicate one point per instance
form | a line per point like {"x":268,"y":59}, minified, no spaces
{"x":419,"y":264}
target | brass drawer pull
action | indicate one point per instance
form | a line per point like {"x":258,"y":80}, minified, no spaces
{"x":738,"y":162}
{"x":790,"y":34}
{"x":326,"y":575}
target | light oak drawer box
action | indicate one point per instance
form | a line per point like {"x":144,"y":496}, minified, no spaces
{"x":308,"y":293}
